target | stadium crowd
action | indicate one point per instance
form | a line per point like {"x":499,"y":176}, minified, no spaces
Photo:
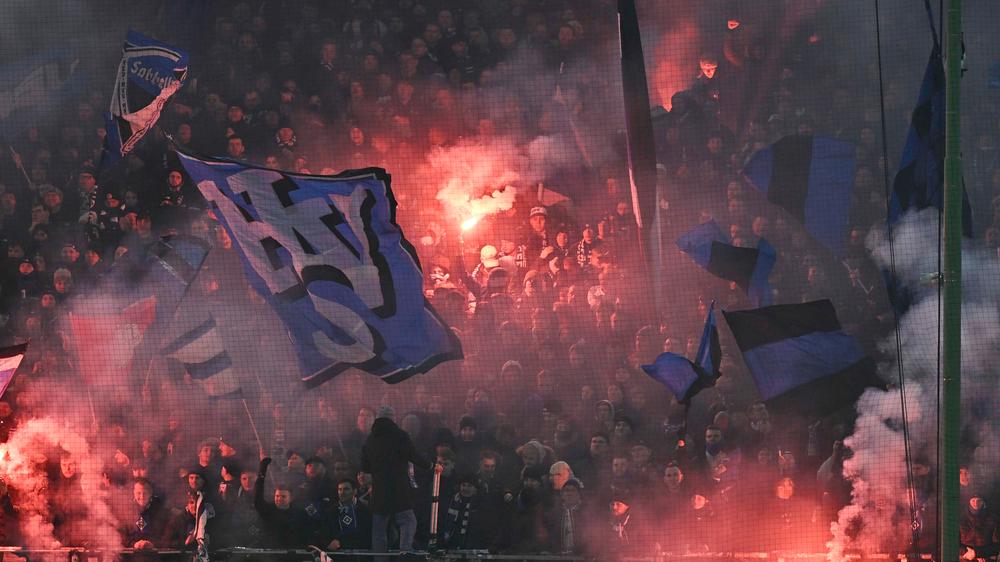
{"x":548,"y":435}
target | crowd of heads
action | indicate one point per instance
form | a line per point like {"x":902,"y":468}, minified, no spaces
{"x":549,"y":415}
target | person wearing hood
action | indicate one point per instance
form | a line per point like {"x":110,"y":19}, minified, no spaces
{"x":604,"y":416}
{"x":979,"y":530}
{"x":386,"y":456}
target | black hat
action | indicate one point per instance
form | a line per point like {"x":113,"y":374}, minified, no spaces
{"x":533,"y":472}
{"x":468,"y":478}
{"x":467,"y":421}
{"x":619,"y":495}
{"x":315,"y":460}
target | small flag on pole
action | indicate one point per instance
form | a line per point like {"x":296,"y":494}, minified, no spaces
{"x":686,"y":378}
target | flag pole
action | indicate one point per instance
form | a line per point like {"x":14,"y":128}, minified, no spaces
{"x":639,"y":141}
{"x":253,"y":426}
{"x":949,"y":417}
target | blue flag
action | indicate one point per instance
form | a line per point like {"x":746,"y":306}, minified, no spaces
{"x":749,"y":268}
{"x":204,"y":356}
{"x":150,"y":73}
{"x":799,"y":357}
{"x":34,"y":89}
{"x":327,"y":254}
{"x":811,"y":177}
{"x":686,"y":378}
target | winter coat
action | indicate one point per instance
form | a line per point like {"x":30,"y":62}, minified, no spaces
{"x":385,"y":455}
{"x":351,"y":525}
{"x":470,"y":523}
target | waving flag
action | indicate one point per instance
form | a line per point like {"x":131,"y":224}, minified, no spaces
{"x":811,"y":177}
{"x":106,"y":342}
{"x":799,"y":357}
{"x":150,"y":73}
{"x":687,"y":378}
{"x":205,"y":358}
{"x":749,"y":268}
{"x":919,"y":183}
{"x":10,"y":360}
{"x":326,"y":252}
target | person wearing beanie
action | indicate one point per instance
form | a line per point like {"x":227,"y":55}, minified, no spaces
{"x":571,"y":523}
{"x":470,"y":521}
{"x":620,"y":535}
{"x":468,"y":446}
{"x":385,"y":458}
{"x":317,"y":495}
{"x":979,"y":529}
{"x":523,"y":527}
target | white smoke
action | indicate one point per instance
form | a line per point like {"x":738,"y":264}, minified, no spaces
{"x":878,"y":517}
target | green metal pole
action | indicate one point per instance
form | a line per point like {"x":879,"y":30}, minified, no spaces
{"x":949,"y":419}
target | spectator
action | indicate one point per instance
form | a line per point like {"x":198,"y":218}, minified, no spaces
{"x":385,"y":456}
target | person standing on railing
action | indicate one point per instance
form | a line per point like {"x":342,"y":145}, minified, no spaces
{"x":386,"y":456}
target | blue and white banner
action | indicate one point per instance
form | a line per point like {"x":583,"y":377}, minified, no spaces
{"x":149,"y":73}
{"x":204,"y":356}
{"x":327,"y":253}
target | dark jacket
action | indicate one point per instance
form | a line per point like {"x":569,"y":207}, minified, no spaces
{"x":283,"y":528}
{"x":470,"y":523}
{"x":351,"y":525}
{"x":385,"y":455}
{"x":148,"y":524}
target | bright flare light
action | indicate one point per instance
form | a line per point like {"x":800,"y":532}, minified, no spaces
{"x":468,"y":223}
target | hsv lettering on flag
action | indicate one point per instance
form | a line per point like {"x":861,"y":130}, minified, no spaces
{"x":799,"y":357}
{"x":104,"y":343}
{"x":811,"y":177}
{"x":327,"y":254}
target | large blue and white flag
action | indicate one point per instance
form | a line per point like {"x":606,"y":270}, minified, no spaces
{"x":327,"y":253}
{"x":149,"y":73}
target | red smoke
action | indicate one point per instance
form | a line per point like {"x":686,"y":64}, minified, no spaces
{"x":673,"y":63}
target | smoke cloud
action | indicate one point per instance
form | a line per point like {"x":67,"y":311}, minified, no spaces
{"x":878,"y":516}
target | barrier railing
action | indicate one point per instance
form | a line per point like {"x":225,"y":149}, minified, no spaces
{"x":70,"y":554}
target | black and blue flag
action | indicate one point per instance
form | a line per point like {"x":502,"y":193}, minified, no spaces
{"x":327,"y":254}
{"x":799,"y":357}
{"x":149,"y":73}
{"x":811,"y":177}
{"x":686,"y":378}
{"x":749,"y":268}
{"x":919,"y":183}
